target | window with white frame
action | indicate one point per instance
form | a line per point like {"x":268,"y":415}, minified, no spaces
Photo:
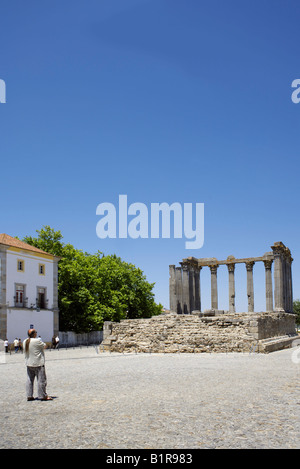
{"x":20,"y":295}
{"x":41,"y":298}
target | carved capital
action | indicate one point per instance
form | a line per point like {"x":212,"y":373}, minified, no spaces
{"x":230,"y":267}
{"x":185,"y":267}
{"x":249,"y":266}
{"x":268,"y":264}
{"x":278,"y":249}
{"x":214,"y":268}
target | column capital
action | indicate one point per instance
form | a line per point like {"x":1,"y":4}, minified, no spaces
{"x":278,"y":249}
{"x":268,"y":263}
{"x":230,"y":267}
{"x":185,"y":267}
{"x":214,"y":268}
{"x":249,"y":265}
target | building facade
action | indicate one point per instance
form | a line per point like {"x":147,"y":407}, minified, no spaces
{"x":28,"y":290}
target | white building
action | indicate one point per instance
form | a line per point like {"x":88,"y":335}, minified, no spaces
{"x":28,"y":290}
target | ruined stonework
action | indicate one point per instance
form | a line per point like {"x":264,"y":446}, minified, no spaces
{"x":209,"y":332}
{"x":187,"y":329}
{"x":185,"y":289}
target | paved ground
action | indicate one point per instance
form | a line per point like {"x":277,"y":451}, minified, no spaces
{"x":178,"y":401}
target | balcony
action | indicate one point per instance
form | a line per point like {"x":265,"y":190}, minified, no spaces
{"x":38,"y":305}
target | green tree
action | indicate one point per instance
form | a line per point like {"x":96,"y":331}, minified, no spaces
{"x":48,"y":240}
{"x":296,"y":307}
{"x":93,"y":288}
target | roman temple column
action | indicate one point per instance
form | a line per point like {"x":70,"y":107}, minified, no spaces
{"x":278,"y":276}
{"x":185,"y":289}
{"x":269,"y":287}
{"x":178,"y":287}
{"x":214,"y":286}
{"x":172,"y":288}
{"x":192,"y":286}
{"x":197,"y":304}
{"x":250,"y":286}
{"x":289,"y":261}
{"x":231,"y":268}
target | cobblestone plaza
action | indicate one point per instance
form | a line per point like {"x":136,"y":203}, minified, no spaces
{"x":154,"y":401}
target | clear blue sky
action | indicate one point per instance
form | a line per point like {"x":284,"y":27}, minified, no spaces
{"x":162,"y":100}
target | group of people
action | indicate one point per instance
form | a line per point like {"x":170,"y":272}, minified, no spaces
{"x":18,"y":344}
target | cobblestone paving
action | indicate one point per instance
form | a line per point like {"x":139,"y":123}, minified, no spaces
{"x":171,"y":401}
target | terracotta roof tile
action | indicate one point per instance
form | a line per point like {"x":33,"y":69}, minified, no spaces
{"x":14,"y":242}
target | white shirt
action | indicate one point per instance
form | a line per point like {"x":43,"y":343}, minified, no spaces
{"x":35,"y":355}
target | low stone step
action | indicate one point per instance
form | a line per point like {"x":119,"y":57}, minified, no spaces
{"x":276,"y":343}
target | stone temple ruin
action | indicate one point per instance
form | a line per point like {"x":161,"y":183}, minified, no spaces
{"x":187,"y":329}
{"x":185,"y":291}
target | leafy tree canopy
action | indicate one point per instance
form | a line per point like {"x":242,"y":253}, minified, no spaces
{"x":296,"y":308}
{"x":93,"y":288}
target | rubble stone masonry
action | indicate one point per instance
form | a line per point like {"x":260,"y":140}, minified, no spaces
{"x":204,"y":332}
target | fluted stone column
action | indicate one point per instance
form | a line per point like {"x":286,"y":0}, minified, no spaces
{"x":192,"y":285}
{"x":278,"y":277}
{"x":269,"y":287}
{"x":178,"y":287}
{"x":231,"y":282}
{"x":197,"y":288}
{"x":250,"y":286}
{"x":194,"y":288}
{"x":185,"y":289}
{"x":172,"y":288}
{"x":214,"y":286}
{"x":289,"y":285}
{"x":284,"y":276}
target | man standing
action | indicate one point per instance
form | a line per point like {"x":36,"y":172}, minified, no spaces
{"x":35,"y":362}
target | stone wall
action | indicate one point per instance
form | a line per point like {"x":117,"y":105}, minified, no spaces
{"x":269,"y":325}
{"x":228,"y":332}
{"x":70,"y":339}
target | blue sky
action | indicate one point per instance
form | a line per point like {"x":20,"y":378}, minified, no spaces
{"x":164,"y":101}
